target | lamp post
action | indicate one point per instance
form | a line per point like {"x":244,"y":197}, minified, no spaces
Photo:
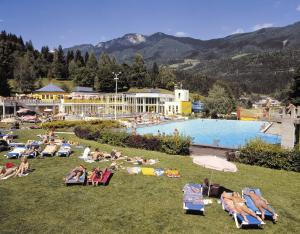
{"x":116,"y":79}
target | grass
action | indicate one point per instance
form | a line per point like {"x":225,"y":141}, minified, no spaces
{"x":41,"y":203}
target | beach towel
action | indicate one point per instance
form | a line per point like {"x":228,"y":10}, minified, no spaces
{"x":159,"y":171}
{"x":134,"y":170}
{"x":172,"y":173}
{"x":148,"y":171}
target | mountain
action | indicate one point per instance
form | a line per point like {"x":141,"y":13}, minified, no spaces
{"x":263,"y":61}
{"x":168,"y":49}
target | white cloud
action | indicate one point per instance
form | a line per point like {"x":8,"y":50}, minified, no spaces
{"x":298,"y":8}
{"x":181,"y":34}
{"x":260,"y":26}
{"x":238,"y":30}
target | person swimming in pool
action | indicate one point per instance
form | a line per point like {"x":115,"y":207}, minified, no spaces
{"x":261,"y":204}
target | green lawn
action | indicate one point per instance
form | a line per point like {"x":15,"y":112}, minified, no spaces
{"x":41,"y":203}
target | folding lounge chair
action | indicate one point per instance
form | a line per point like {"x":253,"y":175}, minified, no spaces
{"x":239,"y":220}
{"x":17,"y":152}
{"x":251,"y":205}
{"x":30,"y":154}
{"x":65,"y":150}
{"x":82,"y":180}
{"x":50,"y":150}
{"x":193,"y":198}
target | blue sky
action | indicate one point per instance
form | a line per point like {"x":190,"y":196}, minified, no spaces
{"x":71,"y":22}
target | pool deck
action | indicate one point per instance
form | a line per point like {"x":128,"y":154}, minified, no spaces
{"x":201,"y":151}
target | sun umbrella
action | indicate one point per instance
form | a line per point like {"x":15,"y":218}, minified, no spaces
{"x":214,"y":163}
{"x":23,"y":110}
{"x":48,"y":110}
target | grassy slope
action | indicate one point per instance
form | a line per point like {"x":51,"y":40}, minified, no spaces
{"x":41,"y":203}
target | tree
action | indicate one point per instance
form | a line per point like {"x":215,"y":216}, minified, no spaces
{"x":25,"y":73}
{"x":219,"y":101}
{"x":294,"y":92}
{"x":86,"y":57}
{"x":105,"y":82}
{"x":154,"y":75}
{"x":78,"y":58}
{"x":139,"y":77}
{"x":84,"y":76}
{"x":92,"y":62}
{"x":70,"y":56}
{"x":59,"y":67}
{"x":166,"y":78}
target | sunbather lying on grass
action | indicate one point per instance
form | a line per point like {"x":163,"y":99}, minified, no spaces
{"x":76,"y":173}
{"x":97,"y":155}
{"x":96,"y":176}
{"x":7,"y":171}
{"x":239,"y":206}
{"x":261,"y":204}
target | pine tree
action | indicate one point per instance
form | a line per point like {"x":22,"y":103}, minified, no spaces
{"x":78,"y":58}
{"x":59,"y":67}
{"x":92,"y":62}
{"x":140,"y":77}
{"x":154,"y":75}
{"x":86,"y":57}
{"x":70,"y":56}
{"x":25,"y":73}
{"x":105,"y":77}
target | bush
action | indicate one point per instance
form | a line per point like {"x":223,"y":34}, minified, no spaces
{"x":259,"y":153}
{"x":167,"y":144}
{"x":75,"y":123}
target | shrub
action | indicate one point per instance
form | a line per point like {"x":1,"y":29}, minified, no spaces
{"x":259,"y":153}
{"x":167,"y":144}
{"x":75,"y":123}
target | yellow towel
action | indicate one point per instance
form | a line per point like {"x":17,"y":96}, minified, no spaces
{"x":148,"y":171}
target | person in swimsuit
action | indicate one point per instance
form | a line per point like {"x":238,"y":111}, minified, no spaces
{"x":261,"y":204}
{"x":96,"y":176}
{"x":241,"y":207}
{"x":23,"y":167}
{"x":76,"y":172}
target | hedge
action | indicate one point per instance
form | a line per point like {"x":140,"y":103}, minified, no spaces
{"x":75,"y":123}
{"x":259,"y":153}
{"x":176,"y":145}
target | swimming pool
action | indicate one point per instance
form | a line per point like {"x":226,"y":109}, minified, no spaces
{"x":221,"y":133}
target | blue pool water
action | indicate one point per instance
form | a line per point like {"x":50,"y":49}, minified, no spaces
{"x":222,"y":133}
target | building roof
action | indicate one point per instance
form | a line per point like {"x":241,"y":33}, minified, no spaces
{"x":51,"y":88}
{"x":83,"y":89}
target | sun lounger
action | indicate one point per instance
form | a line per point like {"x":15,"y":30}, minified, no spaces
{"x":65,"y":150}
{"x":33,"y":144}
{"x":73,"y":181}
{"x":50,"y":150}
{"x":172,"y":173}
{"x":239,"y":220}
{"x":30,"y":153}
{"x":17,"y":152}
{"x":193,"y":198}
{"x":251,"y":205}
